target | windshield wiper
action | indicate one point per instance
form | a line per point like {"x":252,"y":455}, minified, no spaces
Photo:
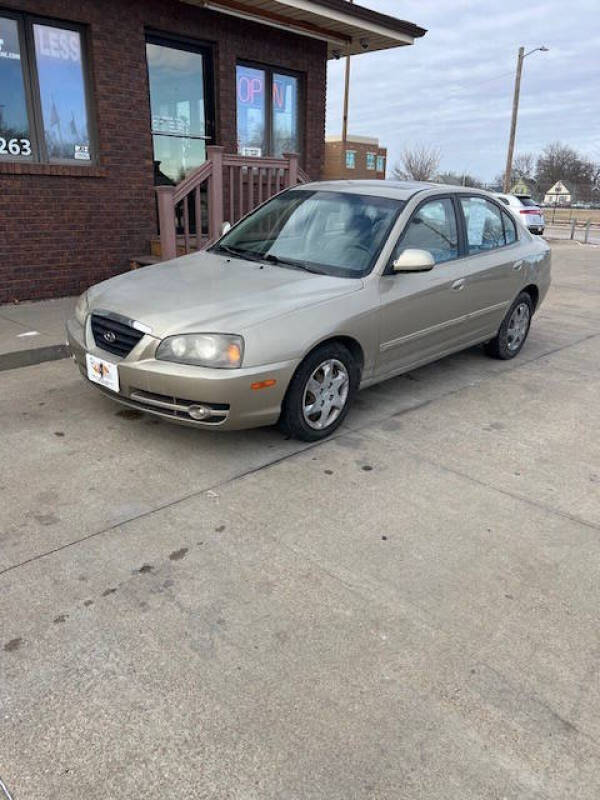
{"x":238,"y":252}
{"x":290,"y":262}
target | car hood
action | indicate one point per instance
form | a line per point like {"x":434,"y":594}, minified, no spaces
{"x":210,"y":292}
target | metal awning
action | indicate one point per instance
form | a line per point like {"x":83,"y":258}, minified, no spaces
{"x":347,"y":28}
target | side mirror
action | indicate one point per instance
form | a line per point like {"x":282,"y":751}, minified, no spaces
{"x":412,"y":260}
{"x":226,"y":226}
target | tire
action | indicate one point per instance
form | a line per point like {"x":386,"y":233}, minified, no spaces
{"x":513,"y":331}
{"x":332,"y":366}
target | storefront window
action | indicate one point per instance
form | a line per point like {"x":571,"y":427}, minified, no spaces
{"x":285,"y":114}
{"x":370,"y":160}
{"x":267,"y":112}
{"x":178,"y":109}
{"x":62,"y":93}
{"x":49,"y":76}
{"x":350,"y":159}
{"x":14,"y":122}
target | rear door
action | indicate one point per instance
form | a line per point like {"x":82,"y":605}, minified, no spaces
{"x":493,"y":267}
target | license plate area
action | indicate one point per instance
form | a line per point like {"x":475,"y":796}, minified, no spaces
{"x":102,"y":372}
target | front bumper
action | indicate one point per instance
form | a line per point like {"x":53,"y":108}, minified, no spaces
{"x":167,"y":389}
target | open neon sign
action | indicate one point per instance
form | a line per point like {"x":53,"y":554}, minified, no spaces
{"x":251,"y":90}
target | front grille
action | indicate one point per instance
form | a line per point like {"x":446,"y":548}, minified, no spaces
{"x":124,"y":337}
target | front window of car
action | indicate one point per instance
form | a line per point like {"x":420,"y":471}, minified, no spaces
{"x":333,"y":233}
{"x":432,"y":228}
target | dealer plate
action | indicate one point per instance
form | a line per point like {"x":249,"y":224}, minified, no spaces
{"x":102,"y":372}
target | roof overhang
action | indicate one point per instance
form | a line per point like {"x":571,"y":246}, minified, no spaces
{"x":348,"y":29}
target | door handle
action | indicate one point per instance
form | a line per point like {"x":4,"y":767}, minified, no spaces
{"x":517,"y":265}
{"x":458,"y":285}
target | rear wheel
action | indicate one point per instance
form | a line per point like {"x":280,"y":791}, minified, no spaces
{"x":513,"y":331}
{"x":320,"y":393}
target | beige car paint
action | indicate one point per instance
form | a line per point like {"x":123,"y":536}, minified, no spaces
{"x":398,"y":321}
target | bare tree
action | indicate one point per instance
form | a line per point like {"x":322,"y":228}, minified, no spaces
{"x":419,"y":163}
{"x":524,"y":166}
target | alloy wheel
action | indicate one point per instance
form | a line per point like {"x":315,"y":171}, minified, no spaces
{"x":325,"y":394}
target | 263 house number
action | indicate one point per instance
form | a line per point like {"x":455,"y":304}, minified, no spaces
{"x":15,"y":147}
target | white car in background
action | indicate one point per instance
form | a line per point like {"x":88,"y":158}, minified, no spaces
{"x":525,"y":210}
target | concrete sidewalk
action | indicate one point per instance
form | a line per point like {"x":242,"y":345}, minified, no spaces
{"x":31,"y":333}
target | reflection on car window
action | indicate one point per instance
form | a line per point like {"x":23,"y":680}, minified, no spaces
{"x":485,"y":230}
{"x":337,"y":233}
{"x":432,"y":228}
{"x":510,"y":230}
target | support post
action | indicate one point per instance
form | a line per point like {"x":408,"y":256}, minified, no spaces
{"x":587,"y":231}
{"x":292,"y":159}
{"x":573,"y":223}
{"x":166,"y":222}
{"x":214,"y":153}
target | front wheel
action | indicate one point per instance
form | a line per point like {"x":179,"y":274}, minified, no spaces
{"x":513,"y":331}
{"x":320,"y":393}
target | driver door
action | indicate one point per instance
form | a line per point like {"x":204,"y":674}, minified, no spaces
{"x":422,"y":314}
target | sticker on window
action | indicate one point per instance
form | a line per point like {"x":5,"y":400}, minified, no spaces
{"x":82,"y":152}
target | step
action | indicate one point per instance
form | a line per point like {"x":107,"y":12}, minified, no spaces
{"x":143,"y":261}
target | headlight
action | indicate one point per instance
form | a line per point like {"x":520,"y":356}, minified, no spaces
{"x":223,"y":350}
{"x":82,"y":308}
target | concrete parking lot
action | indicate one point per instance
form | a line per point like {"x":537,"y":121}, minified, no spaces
{"x":409,"y":610}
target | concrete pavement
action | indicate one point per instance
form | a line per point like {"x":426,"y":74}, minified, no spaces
{"x":31,"y":333}
{"x":406,"y":611}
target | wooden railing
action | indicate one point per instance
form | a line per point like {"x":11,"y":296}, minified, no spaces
{"x":226,"y":186}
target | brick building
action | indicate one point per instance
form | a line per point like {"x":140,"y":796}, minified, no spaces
{"x":357,"y":157}
{"x":102,"y":100}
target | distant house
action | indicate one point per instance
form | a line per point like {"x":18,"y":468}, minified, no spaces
{"x":357,"y":157}
{"x":558,"y":195}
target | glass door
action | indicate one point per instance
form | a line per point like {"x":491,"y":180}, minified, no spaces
{"x":181,"y":107}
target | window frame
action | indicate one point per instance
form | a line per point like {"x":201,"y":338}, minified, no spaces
{"x":461,"y":228}
{"x":39,"y":150}
{"x":270,"y":70}
{"x":460,"y":243}
{"x":346,"y":165}
{"x":374,"y":155}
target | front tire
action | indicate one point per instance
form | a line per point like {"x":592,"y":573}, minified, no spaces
{"x":320,"y":393}
{"x":513,"y":331}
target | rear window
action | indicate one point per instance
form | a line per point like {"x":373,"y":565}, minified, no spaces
{"x":527,"y":201}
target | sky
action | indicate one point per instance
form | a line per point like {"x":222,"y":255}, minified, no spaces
{"x":453,"y":88}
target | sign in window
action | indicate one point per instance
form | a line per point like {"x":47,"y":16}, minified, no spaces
{"x":267,"y":104}
{"x":52,"y":77}
{"x":14,"y":122}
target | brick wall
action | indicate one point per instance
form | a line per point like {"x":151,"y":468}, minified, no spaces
{"x":65,"y":228}
{"x":335,"y":160}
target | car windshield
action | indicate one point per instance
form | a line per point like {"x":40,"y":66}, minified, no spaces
{"x":331,"y":233}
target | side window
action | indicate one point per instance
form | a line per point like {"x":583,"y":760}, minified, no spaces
{"x":485,"y":230}
{"x":510,"y":230}
{"x":433,"y":228}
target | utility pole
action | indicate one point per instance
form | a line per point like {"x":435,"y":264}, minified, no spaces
{"x":513,"y":122}
{"x":346,"y":93}
{"x":515,"y":110}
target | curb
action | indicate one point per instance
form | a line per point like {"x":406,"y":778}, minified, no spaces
{"x":27,"y":358}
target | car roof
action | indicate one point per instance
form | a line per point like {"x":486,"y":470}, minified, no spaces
{"x":399,"y":190}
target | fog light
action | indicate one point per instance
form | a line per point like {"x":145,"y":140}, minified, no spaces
{"x":199,"y":412}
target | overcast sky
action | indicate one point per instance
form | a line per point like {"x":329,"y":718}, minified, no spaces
{"x":453,"y":88}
